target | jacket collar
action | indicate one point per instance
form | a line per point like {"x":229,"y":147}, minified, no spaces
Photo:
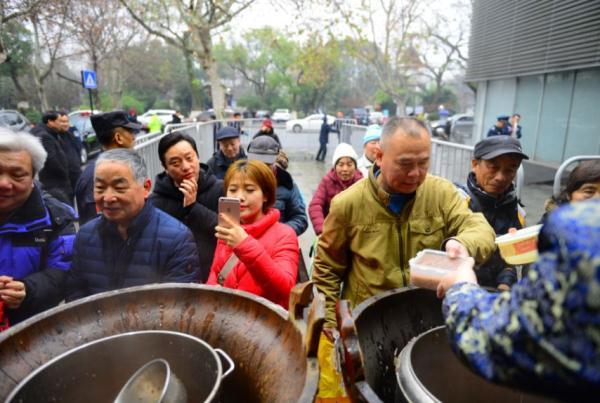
{"x":166,"y":187}
{"x":258,"y":228}
{"x":284,"y":178}
{"x":388,"y":200}
{"x":508,"y":197}
{"x":344,"y":184}
{"x":223,"y":161}
{"x":30,"y":216}
{"x":136,"y":226}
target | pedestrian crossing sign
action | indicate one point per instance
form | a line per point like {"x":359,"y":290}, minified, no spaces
{"x":88,"y":79}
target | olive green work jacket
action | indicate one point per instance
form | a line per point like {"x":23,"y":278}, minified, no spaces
{"x":366,"y":247}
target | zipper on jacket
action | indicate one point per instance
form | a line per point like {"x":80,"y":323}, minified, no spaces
{"x":399,"y":226}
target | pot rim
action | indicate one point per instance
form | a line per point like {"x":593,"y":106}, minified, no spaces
{"x":74,"y":350}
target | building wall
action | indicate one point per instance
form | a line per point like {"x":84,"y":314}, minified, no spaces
{"x":560,"y":112}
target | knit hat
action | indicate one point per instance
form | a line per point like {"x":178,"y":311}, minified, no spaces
{"x":373,"y":133}
{"x":344,"y":150}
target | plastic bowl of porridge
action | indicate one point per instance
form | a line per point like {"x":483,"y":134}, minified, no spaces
{"x":519,"y":247}
{"x":429,"y":266}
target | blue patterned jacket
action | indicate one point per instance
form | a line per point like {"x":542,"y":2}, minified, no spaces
{"x":544,"y":333}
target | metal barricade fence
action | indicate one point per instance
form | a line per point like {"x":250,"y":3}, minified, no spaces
{"x":449,"y":160}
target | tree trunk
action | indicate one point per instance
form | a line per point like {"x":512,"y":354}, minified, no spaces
{"x":194,"y":82}
{"x":36,"y":67}
{"x":400,"y":106}
{"x":204,"y":53}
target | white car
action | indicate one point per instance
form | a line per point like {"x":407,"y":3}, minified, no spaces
{"x":281,"y":115}
{"x":165,"y":116}
{"x":309,"y":123}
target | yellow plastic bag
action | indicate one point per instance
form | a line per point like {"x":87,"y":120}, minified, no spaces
{"x":331,"y":383}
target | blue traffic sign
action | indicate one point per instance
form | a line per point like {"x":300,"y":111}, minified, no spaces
{"x":88,"y":78}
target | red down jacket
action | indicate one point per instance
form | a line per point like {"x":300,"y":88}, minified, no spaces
{"x":268,"y":260}
{"x":329,"y":186}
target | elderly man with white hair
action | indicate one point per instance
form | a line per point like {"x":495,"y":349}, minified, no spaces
{"x":36,"y":231}
{"x":131,"y":243}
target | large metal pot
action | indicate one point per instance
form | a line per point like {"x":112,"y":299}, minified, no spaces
{"x":274,"y":352}
{"x":98,"y":370}
{"x":375,"y":332}
{"x":428,"y":371}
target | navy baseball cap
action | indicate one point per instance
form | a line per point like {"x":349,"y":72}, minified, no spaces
{"x":494,"y":146}
{"x":105,"y":122}
{"x":227,"y":132}
{"x":503,"y":117}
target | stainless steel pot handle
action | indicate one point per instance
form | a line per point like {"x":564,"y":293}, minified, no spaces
{"x":229,"y":361}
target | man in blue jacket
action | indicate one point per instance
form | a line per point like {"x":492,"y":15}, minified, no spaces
{"x":132,"y":243}
{"x":36,"y":231}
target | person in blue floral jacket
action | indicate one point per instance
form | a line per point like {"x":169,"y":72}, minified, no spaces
{"x":543,"y":334}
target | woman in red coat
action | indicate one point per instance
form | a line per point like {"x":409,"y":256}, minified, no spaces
{"x":267,"y":250}
{"x":343,"y":175}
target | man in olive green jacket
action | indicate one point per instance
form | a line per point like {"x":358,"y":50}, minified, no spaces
{"x":374,"y":227}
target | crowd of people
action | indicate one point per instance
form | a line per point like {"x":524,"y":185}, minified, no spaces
{"x":370,"y":216}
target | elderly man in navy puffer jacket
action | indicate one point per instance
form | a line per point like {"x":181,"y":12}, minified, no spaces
{"x":132,"y":243}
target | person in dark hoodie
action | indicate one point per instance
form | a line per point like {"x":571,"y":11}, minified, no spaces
{"x":188,"y":191}
{"x":266,"y":129}
{"x":289,"y":199}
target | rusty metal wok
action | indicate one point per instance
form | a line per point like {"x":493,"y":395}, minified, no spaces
{"x":274,"y":351}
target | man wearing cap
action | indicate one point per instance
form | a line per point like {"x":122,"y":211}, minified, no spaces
{"x":289,"y":199}
{"x":56,"y":177}
{"x":370,"y":145}
{"x":490,"y":190}
{"x":113,"y":130}
{"x":229,"y":151}
{"x":500,"y":127}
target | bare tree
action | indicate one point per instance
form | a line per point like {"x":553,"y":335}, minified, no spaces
{"x":190,"y":26}
{"x":102,"y":30}
{"x":386,"y":34}
{"x":444,"y":46}
{"x":12,"y":10}
{"x":49,"y":37}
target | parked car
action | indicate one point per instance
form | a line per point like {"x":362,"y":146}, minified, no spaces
{"x":165,"y":116}
{"x":90,"y":145}
{"x":361,"y":116}
{"x":457,"y":128}
{"x":14,"y":120}
{"x":309,"y":123}
{"x":461,"y":128}
{"x":262,"y":114}
{"x":281,"y":115}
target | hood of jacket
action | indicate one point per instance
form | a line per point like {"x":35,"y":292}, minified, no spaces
{"x":165,"y":186}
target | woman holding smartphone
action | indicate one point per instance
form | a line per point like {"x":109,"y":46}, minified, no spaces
{"x":259,"y":254}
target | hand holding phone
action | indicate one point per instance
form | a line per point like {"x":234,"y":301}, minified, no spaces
{"x":229,"y":207}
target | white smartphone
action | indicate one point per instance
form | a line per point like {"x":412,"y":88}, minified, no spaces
{"x":230,"y":207}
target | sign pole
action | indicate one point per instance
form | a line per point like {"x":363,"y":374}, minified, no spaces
{"x":91,"y":103}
